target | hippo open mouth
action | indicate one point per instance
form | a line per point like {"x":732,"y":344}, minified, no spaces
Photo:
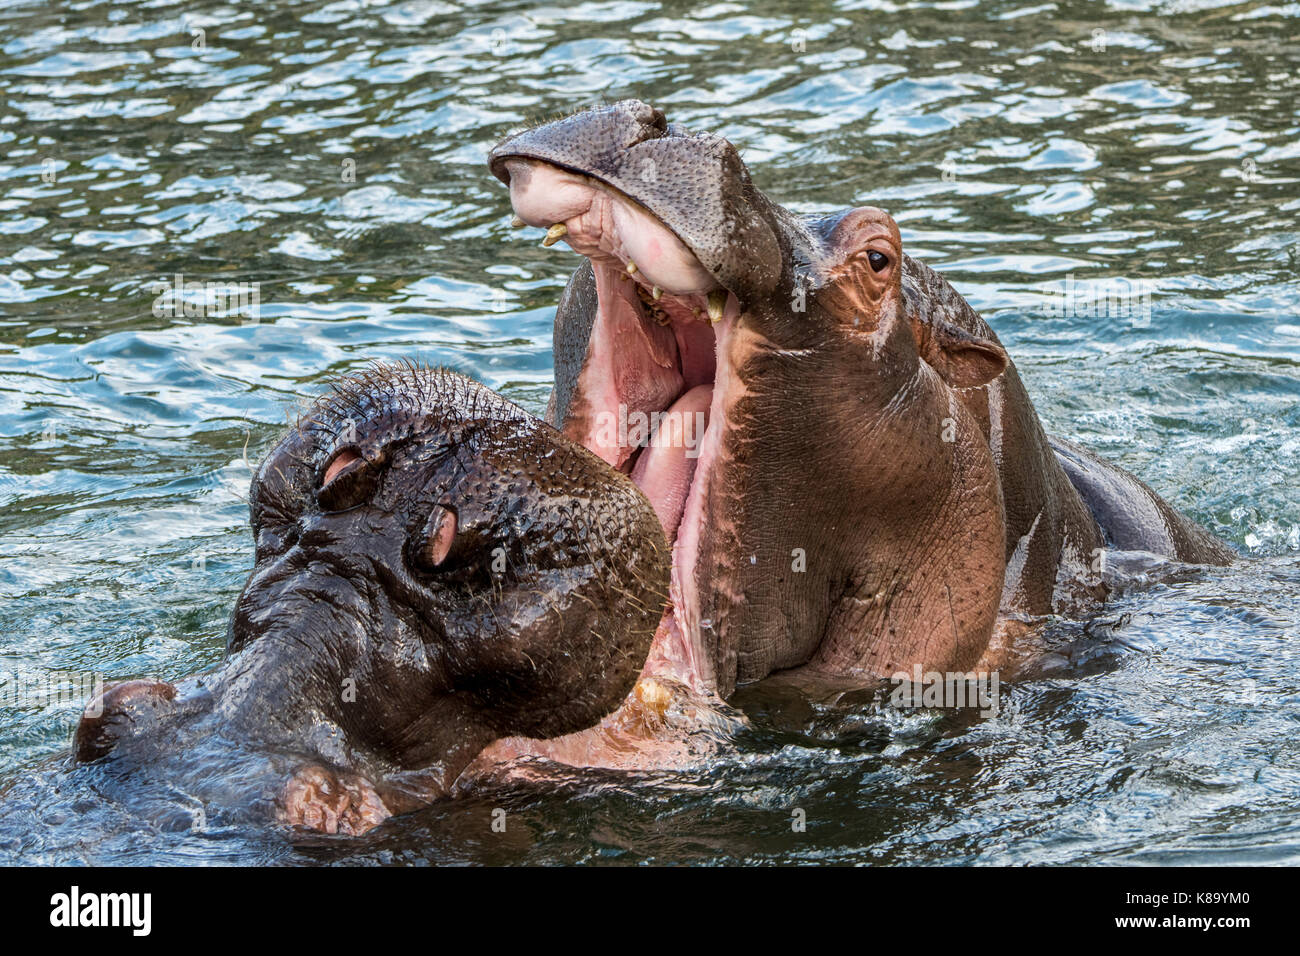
{"x":872,"y":488}
{"x":648,"y":398}
{"x":648,"y":381}
{"x":650,"y":392}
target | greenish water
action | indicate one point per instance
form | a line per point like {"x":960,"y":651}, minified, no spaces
{"x":1017,"y":144}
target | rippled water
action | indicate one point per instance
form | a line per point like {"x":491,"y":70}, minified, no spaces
{"x":333,"y":153}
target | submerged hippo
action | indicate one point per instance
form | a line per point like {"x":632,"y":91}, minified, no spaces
{"x":873,"y":489}
{"x":434,"y":569}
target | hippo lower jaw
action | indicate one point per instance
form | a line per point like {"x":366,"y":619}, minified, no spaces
{"x":653,"y":388}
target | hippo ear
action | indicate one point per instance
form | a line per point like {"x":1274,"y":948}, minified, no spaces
{"x":963,"y":360}
{"x":439,"y":537}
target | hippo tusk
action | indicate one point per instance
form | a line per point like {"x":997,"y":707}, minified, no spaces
{"x":717,"y":302}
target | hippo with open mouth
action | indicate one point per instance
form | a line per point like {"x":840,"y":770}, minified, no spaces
{"x":434,"y":569}
{"x":872,"y":489}
{"x":840,"y":477}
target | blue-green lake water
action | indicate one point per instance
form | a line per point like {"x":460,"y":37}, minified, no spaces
{"x":333,"y":153}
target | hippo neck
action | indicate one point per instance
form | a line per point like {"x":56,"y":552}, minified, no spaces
{"x":886,"y":557}
{"x":1046,"y":519}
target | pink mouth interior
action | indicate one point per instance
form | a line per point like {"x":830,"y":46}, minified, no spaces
{"x":654,"y":358}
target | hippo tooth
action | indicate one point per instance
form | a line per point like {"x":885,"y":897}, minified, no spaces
{"x":717,"y":302}
{"x":653,"y":696}
{"x":555,"y":233}
{"x":656,"y":293}
{"x":517,"y":223}
{"x":631,"y":268}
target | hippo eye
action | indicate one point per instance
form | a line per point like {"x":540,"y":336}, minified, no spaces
{"x":347,"y":480}
{"x":878,"y":260}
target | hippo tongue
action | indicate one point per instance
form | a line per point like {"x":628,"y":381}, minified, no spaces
{"x":663,"y":471}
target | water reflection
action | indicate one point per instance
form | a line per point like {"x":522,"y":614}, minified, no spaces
{"x":332,"y":153}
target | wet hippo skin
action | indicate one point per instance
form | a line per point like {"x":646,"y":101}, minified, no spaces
{"x":434,"y":569}
{"x":442,"y":584}
{"x":873,"y":490}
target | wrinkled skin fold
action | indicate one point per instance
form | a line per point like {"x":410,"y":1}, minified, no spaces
{"x":434,"y":570}
{"x":872,"y":489}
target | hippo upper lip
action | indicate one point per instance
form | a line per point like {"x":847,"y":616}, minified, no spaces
{"x":500,"y":158}
{"x":603,"y":223}
{"x":554,"y":144}
{"x":676,"y":176}
{"x":694,"y":183}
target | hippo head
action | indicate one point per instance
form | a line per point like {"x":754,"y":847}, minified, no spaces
{"x":434,"y":569}
{"x":826,"y":397}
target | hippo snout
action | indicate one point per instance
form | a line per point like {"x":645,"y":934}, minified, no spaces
{"x":121,"y":711}
{"x":433,"y":570}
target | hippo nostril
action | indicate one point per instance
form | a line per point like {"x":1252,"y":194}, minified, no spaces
{"x":649,"y":116}
{"x":115,"y":713}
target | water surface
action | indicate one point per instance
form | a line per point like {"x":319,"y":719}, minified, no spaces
{"x":333,"y":154}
